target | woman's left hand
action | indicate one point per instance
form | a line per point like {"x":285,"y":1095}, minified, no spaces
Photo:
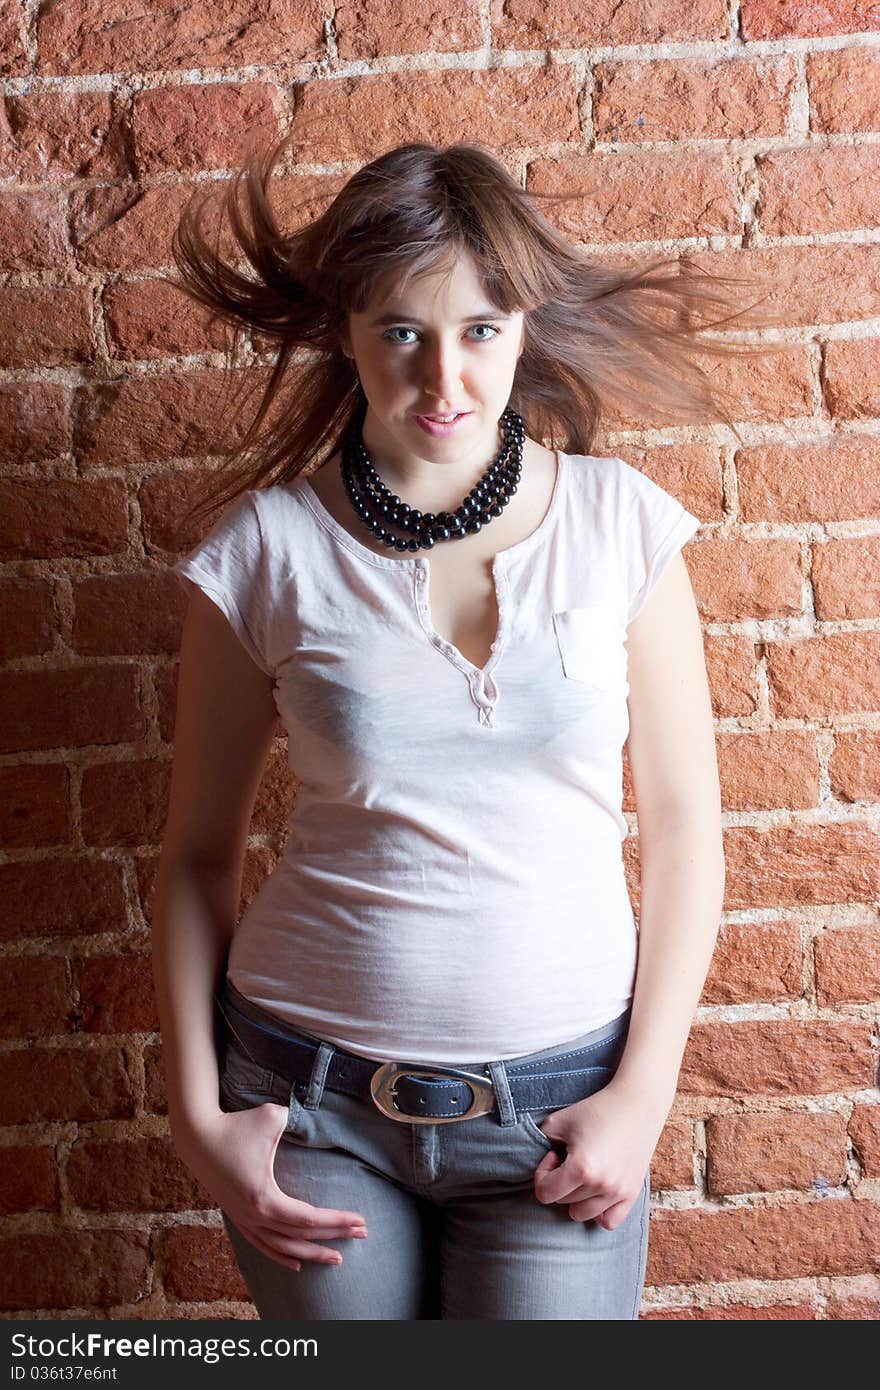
{"x":609,"y":1139}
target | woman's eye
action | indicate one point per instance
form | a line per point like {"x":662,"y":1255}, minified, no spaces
{"x":481,"y":339}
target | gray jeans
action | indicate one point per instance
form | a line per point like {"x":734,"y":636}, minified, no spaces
{"x":454,"y":1227}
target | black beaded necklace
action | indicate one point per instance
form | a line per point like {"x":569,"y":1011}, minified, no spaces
{"x":376,"y":506}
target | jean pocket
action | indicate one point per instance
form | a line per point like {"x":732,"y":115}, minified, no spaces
{"x":531,"y":1126}
{"x":591,"y":646}
{"x":244,"y":1081}
{"x":531,"y":1120}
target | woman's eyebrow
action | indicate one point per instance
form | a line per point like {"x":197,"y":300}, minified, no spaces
{"x":396,"y":316}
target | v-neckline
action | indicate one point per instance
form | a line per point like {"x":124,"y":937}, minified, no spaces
{"x":481,"y":682}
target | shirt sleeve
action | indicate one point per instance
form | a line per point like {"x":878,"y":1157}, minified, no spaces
{"x":657,"y":527}
{"x":230,"y":565}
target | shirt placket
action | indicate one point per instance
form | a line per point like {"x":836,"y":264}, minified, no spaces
{"x":481,"y":682}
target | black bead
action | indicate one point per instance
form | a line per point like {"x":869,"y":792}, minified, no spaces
{"x":374,"y":503}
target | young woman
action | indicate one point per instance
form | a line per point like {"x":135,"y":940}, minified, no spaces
{"x":425,"y":1075}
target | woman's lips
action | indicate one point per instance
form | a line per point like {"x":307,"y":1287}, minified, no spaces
{"x":438,"y":428}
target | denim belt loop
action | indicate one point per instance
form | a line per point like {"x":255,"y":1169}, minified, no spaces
{"x":319,"y":1075}
{"x":506,"y":1107}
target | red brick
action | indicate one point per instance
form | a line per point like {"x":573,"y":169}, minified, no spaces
{"x":832,"y":1237}
{"x":754,"y":962}
{"x":275,"y":797}
{"x":152,"y":318}
{"x":791,"y":865}
{"x":770,"y":769}
{"x":851,"y":378}
{"x":69,"y":708}
{"x":800,"y":1057}
{"x":136,"y":1175}
{"x":156,"y":416}
{"x":843,"y":84}
{"x":845,"y":575}
{"x":864,"y":1130}
{"x":199,"y":126}
{"x":529,"y":24}
{"x":854,"y":765}
{"x":76,"y":38}
{"x":72,"y":1269}
{"x":766,"y":19}
{"x":32,"y":231}
{"x":852,"y":1308}
{"x":672,"y":1163}
{"x":51,"y":898}
{"x":115,"y":994}
{"x":834,"y":480}
{"x":49,"y":519}
{"x":155,"y":1090}
{"x":199,"y":1266}
{"x":811,"y":192}
{"x":847,"y":965}
{"x":33,"y":805}
{"x":691,"y":472}
{"x":34,"y":998}
{"x":736,"y":579}
{"x":375,"y":28}
{"x":125,"y":803}
{"x":45,"y":326}
{"x":819,"y":677}
{"x":64,"y":1084}
{"x":732,"y":672}
{"x":769,"y":1153}
{"x":14,"y":61}
{"x":127,"y":228}
{"x":26,"y":617}
{"x":129,"y":613}
{"x":640,"y":196}
{"x":34,"y":421}
{"x":688,"y":98}
{"x":361,"y":117}
{"x":165,"y":680}
{"x":807,"y":284}
{"x":54,"y":135}
{"x":764,"y":386}
{"x":28,"y":1179}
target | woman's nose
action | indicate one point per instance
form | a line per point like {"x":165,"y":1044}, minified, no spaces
{"x":442,"y":372}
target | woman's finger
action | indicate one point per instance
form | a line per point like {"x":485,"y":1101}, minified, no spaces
{"x":266,"y":1249}
{"x":289,"y":1250}
{"x":296,"y":1231}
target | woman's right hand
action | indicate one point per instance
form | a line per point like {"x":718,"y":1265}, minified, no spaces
{"x":232,"y":1154}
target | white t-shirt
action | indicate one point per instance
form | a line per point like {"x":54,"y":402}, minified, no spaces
{"x":452,"y":885}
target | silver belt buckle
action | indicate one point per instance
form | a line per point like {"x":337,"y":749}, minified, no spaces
{"x":384,"y":1078}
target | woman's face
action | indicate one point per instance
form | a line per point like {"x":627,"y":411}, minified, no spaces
{"x":416,"y":353}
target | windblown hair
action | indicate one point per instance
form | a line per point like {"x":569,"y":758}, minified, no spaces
{"x":598,"y":337}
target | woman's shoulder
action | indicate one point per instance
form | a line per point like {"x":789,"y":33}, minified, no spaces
{"x":618,"y":487}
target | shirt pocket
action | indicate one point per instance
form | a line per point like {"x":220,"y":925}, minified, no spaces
{"x":590,"y":641}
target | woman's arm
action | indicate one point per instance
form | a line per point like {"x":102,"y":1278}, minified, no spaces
{"x":674,"y":769}
{"x":225,"y":722}
{"x":194,"y":914}
{"x":611,"y":1136}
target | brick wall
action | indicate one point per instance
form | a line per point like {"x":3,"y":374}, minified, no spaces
{"x":746,"y":133}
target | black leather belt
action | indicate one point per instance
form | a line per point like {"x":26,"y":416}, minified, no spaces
{"x":418,"y":1092}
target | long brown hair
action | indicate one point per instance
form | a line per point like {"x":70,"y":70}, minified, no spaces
{"x":598,"y":336}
